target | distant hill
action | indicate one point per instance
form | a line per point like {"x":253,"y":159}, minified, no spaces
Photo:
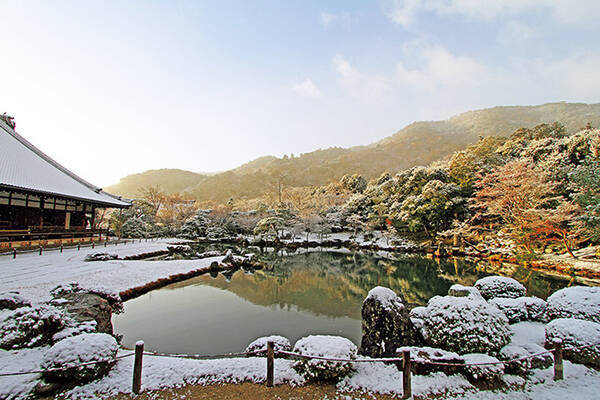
{"x":169,"y":180}
{"x":419,"y":143}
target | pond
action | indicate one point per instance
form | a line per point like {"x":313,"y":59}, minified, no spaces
{"x":296,"y":295}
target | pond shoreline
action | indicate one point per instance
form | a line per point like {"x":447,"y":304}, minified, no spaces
{"x":583,"y":268}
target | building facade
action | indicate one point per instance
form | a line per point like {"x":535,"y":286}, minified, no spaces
{"x":39,"y":198}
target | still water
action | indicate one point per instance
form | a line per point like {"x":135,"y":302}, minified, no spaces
{"x":297,"y":295}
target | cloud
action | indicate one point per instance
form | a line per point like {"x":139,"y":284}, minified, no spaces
{"x":306,"y":88}
{"x":515,"y":33}
{"x":404,"y":12}
{"x":364,"y":86}
{"x":440,"y":68}
{"x":329,"y":19}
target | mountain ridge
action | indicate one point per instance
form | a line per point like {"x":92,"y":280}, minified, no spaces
{"x":418,"y":143}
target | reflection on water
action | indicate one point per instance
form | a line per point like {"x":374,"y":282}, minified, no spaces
{"x":311,"y":293}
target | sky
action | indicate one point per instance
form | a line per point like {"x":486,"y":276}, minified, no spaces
{"x":111,"y":88}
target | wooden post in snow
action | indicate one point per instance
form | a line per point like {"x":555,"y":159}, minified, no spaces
{"x":137,"y":367}
{"x":558,"y":360}
{"x":406,"y":384}
{"x":270,"y":363}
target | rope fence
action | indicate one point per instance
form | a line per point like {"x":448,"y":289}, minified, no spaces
{"x":75,"y":245}
{"x":271,"y":353}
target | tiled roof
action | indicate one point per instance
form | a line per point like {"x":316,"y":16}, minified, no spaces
{"x":25,"y":167}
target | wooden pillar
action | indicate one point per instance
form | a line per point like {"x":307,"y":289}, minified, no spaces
{"x":558,"y":360}
{"x":137,"y":367}
{"x":406,"y":378}
{"x":270,"y":363}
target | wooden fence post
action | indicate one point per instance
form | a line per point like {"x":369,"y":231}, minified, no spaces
{"x":137,"y":367}
{"x":406,"y":384}
{"x":270,"y":363}
{"x":558,"y":360}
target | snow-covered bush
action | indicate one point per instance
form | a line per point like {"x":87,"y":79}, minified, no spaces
{"x":514,"y":309}
{"x":195,"y":226}
{"x":522,"y":308}
{"x":580,"y":302}
{"x":31,"y":326}
{"x":520,"y":365}
{"x":581,"y":339}
{"x":465,"y":325}
{"x":489,"y":374}
{"x":500,"y":286}
{"x":73,"y":351}
{"x":463,"y":291}
{"x":324,"y":346}
{"x":421,"y":358}
{"x":12,"y":301}
{"x":280,"y":343}
{"x":135,"y":227}
{"x":523,"y":362}
{"x":537,"y":309}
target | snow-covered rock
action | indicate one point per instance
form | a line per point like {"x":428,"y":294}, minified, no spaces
{"x":489,"y":374}
{"x":69,"y":353}
{"x":280,"y":343}
{"x":100,"y":257}
{"x":521,"y":308}
{"x":421,"y":356}
{"x":31,"y":326}
{"x":386,"y":324}
{"x":85,"y":308}
{"x":465,"y":325}
{"x":12,"y":301}
{"x":500,"y":286}
{"x":457,"y":290}
{"x":581,"y":339}
{"x":324,"y":346}
{"x":581,"y":302}
{"x":113,"y":297}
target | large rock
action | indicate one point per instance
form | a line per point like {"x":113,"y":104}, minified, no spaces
{"x":457,"y":290}
{"x":500,"y":286}
{"x":581,"y":339}
{"x":324,"y":346}
{"x":68,"y":355}
{"x":280,"y":343}
{"x":31,"y":326}
{"x":579,"y":302}
{"x":465,"y":325}
{"x":12,"y":301}
{"x":522,"y":308}
{"x":386,"y":324}
{"x":85,"y":307}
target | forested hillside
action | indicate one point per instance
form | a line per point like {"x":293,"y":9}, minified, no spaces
{"x":417,"y":144}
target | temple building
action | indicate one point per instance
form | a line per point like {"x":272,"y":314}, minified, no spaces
{"x":40,"y":200}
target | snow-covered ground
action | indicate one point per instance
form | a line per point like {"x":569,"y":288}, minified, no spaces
{"x":33,"y":276}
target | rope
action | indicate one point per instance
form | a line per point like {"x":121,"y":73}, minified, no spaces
{"x":199,"y":357}
{"x":65,"y":368}
{"x":296,"y":355}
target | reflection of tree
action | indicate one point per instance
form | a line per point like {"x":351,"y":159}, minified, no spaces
{"x":335,"y":284}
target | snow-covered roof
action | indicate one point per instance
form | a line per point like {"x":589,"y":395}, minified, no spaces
{"x":25,"y":167}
